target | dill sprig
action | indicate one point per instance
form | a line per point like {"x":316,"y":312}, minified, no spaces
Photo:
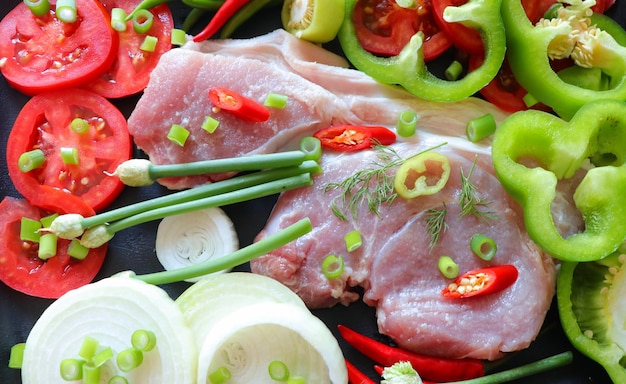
{"x":469,"y":201}
{"x":436,"y":224}
{"x":372,"y":186}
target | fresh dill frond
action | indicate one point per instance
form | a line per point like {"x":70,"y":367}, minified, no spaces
{"x":372,"y":186}
{"x":469,"y":201}
{"x":436,"y":224}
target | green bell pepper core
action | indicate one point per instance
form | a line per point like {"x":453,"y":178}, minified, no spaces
{"x":408,"y":68}
{"x":527,"y":50}
{"x":590,"y":301}
{"x":597,"y":132}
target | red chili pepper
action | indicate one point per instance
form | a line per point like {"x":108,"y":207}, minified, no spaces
{"x":239,"y":105}
{"x":429,"y":367}
{"x":357,"y":377}
{"x":223,"y":14}
{"x":481,"y":282}
{"x":354,"y":137}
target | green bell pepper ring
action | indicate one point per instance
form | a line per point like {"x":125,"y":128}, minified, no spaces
{"x":590,"y":301}
{"x":408,"y":68}
{"x":596,"y":132}
{"x":528,"y":57}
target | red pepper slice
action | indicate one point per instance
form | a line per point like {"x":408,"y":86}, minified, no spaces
{"x":354,"y":137}
{"x":225,"y":12}
{"x":357,"y":377}
{"x":429,"y":367}
{"x":239,"y":105}
{"x":481,"y":282}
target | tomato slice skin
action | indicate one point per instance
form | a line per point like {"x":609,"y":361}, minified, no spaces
{"x":22,"y":270}
{"x":130,"y":71}
{"x":44,"y":123}
{"x":384,"y":28}
{"x":44,"y":54}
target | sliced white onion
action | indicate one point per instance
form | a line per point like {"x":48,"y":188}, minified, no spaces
{"x":195,"y":237}
{"x":109,"y":311}
{"x":248,"y":339}
{"x":212,"y":298}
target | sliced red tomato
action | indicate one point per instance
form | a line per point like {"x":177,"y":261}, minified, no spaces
{"x":21,"y":268}
{"x":44,"y":123}
{"x":384,"y":28}
{"x":43,"y":53}
{"x":131,"y":70}
{"x":468,"y":39}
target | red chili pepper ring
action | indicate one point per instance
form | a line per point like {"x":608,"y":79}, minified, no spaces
{"x":481,"y":282}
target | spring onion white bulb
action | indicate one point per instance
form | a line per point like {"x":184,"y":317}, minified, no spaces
{"x":247,"y":340}
{"x":215,"y":296}
{"x":195,"y":237}
{"x":109,"y":311}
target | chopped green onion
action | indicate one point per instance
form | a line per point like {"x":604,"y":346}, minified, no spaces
{"x":80,"y":125}
{"x":38,"y":7}
{"x":529,"y":100}
{"x":31,"y":160}
{"x":66,"y":10}
{"x":47,"y":220}
{"x":353,"y":240}
{"x":129,"y":359}
{"x":407,"y":123}
{"x":333,"y":266}
{"x":117,"y":379}
{"x":274,"y":100}
{"x":118,"y":19}
{"x":448,"y":267}
{"x":29,"y":230}
{"x":481,"y":127}
{"x":77,"y":250}
{"x":102,"y":357}
{"x":178,"y":37}
{"x":219,"y":376}
{"x":454,"y":71}
{"x":71,"y":369}
{"x":142,"y":21}
{"x":47,"y":246}
{"x":483,"y":246}
{"x":88,"y":348}
{"x":16,"y":358}
{"x":278,"y":370}
{"x":143,"y":340}
{"x":296,"y":380}
{"x":69,"y":155}
{"x":91,"y":374}
{"x":149,"y":44}
{"x":210,"y":124}
{"x":311,"y":147}
{"x":178,"y":134}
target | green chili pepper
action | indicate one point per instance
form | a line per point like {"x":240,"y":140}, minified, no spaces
{"x":527,"y":50}
{"x":597,"y":132}
{"x":592,"y":311}
{"x":408,"y":68}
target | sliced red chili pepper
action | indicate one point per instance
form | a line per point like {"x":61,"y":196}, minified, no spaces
{"x":239,"y":105}
{"x":429,"y":367}
{"x":354,"y":137}
{"x":481,"y":282}
{"x":357,"y":377}
{"x":223,"y":14}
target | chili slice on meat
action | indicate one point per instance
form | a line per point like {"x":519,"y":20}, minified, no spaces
{"x":238,"y":105}
{"x":481,"y":282}
{"x":354,"y":137}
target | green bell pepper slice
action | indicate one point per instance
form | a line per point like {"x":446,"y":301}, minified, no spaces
{"x":590,"y":301}
{"x":527,"y":50}
{"x":408,"y":68}
{"x":596,"y":133}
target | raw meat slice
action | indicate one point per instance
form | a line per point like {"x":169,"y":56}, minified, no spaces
{"x":320,"y":89}
{"x":397,"y":271}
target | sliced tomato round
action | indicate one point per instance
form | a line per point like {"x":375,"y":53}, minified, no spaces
{"x":130,"y":72}
{"x":21,"y":268}
{"x":45,"y":123}
{"x":43,"y":53}
{"x":468,"y":39}
{"x":384,"y":28}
